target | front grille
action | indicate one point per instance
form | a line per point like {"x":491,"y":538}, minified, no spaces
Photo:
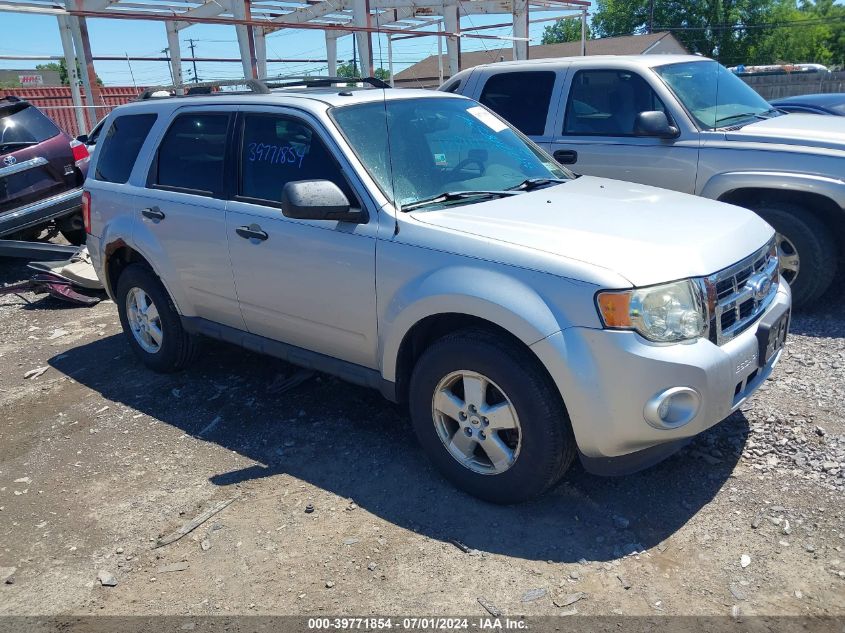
{"x":738,"y":295}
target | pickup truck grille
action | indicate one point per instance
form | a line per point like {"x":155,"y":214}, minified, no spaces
{"x":738,"y":295}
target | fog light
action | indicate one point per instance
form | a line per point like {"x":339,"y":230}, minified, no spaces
{"x":672,"y":408}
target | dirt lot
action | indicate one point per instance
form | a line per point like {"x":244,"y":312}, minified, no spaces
{"x":99,"y":457}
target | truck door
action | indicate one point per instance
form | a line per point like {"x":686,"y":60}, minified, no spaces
{"x":596,"y":134}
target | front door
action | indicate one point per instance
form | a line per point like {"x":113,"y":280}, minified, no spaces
{"x":308,"y":283}
{"x":596,"y":136}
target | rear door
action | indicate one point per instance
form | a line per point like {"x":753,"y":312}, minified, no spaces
{"x":36,"y":160}
{"x":596,"y":134}
{"x":181,"y":221}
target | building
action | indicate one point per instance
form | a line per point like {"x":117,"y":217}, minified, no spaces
{"x":426,"y":74}
{"x":29,"y":78}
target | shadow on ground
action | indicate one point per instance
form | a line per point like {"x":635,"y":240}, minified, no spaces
{"x":350,"y":441}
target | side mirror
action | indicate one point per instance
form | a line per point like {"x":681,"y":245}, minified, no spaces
{"x":82,"y":138}
{"x":654,"y":123}
{"x":318,"y":200}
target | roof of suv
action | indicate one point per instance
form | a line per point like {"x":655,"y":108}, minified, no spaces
{"x":321,"y":97}
{"x":649,"y":61}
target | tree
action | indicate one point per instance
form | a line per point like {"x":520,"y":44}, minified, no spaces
{"x":351,"y":70}
{"x":568,"y":30}
{"x":61,"y":68}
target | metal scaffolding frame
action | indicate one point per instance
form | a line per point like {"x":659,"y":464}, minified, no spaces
{"x":255,"y":19}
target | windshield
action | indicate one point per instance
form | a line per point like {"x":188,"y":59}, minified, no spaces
{"x":713,"y":95}
{"x":439,"y":145}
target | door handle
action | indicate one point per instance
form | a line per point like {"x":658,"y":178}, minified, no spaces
{"x":566,"y":156}
{"x":252,"y":232}
{"x":153,"y":213}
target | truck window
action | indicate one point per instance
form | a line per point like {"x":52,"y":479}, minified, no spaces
{"x":606,"y":103}
{"x":277,"y":150}
{"x":522,"y":98}
{"x":191,"y":155}
{"x":120,"y":146}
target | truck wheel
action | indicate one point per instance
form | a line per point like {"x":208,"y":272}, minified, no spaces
{"x":151,"y":323}
{"x":489,"y":417}
{"x":806,"y":250}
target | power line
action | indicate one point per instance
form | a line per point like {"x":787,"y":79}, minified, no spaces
{"x":191,"y":41}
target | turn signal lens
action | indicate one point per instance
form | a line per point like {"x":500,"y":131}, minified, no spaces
{"x":86,"y":211}
{"x":615,"y":308}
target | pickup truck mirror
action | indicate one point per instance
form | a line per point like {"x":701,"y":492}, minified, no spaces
{"x":318,"y":200}
{"x":654,"y":123}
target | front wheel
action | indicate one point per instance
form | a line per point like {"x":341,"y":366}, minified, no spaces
{"x":489,"y":417}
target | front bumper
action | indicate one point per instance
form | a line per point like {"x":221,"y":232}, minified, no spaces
{"x":606,"y":378}
{"x":40,"y":212}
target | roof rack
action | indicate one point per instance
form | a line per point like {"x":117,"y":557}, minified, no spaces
{"x":258,"y":86}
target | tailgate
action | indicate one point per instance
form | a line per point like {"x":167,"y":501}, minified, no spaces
{"x":30,"y":175}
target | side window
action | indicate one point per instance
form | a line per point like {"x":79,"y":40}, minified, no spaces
{"x":452,"y":87}
{"x":278,"y":150}
{"x":191,"y":154}
{"x":606,"y":102}
{"x":120,"y":146}
{"x":521,"y":98}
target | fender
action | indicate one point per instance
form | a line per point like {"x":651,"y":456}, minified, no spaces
{"x":479,"y":292}
{"x":723,"y":183}
{"x":118,"y":236}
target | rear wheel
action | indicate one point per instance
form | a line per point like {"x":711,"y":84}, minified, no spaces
{"x":489,"y":417}
{"x":806,"y":250}
{"x":151,"y":323}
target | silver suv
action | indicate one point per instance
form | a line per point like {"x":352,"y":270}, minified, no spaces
{"x":414,"y":242}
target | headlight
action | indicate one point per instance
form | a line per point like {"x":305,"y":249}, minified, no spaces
{"x":666,"y":313}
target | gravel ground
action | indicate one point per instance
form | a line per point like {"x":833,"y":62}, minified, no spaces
{"x":99,"y":458}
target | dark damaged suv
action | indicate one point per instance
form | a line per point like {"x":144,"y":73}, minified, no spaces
{"x":41,"y":174}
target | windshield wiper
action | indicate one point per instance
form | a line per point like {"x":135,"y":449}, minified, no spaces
{"x":448,"y":196}
{"x":744,"y":115}
{"x":533,"y":183}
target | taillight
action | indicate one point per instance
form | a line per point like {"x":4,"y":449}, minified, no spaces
{"x":86,"y":211}
{"x":80,"y":152}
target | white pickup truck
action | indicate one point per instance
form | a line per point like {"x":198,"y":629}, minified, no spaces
{"x":685,"y":123}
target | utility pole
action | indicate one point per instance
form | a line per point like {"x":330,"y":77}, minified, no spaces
{"x":166,"y":52}
{"x":651,"y":16}
{"x":193,"y":57}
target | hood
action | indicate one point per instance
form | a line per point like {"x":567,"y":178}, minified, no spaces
{"x":809,"y":130}
{"x":646,"y":235}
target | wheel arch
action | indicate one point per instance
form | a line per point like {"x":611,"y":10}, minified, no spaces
{"x":119,"y":255}
{"x":495,"y":302}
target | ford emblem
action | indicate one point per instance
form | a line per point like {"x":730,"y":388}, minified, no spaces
{"x":759,"y":284}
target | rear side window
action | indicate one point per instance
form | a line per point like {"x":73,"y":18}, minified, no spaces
{"x":606,"y":102}
{"x":22,"y":124}
{"x":521,"y":98}
{"x":191,"y":155}
{"x":120,"y":146}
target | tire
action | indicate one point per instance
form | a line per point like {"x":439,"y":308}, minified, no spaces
{"x":812,"y":243}
{"x":542,"y":448}
{"x":175,"y":348}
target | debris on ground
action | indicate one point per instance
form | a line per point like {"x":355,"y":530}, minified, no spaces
{"x":35,"y":373}
{"x":461,"y":546}
{"x":744,"y":561}
{"x":568,"y":599}
{"x":106,"y":578}
{"x":193,"y":524}
{"x":624,"y":582}
{"x":173,"y":567}
{"x":7,"y":574}
{"x":309,"y":508}
{"x":491,"y":608}
{"x":534,"y":594}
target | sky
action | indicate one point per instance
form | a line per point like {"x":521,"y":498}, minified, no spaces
{"x":28,"y":34}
